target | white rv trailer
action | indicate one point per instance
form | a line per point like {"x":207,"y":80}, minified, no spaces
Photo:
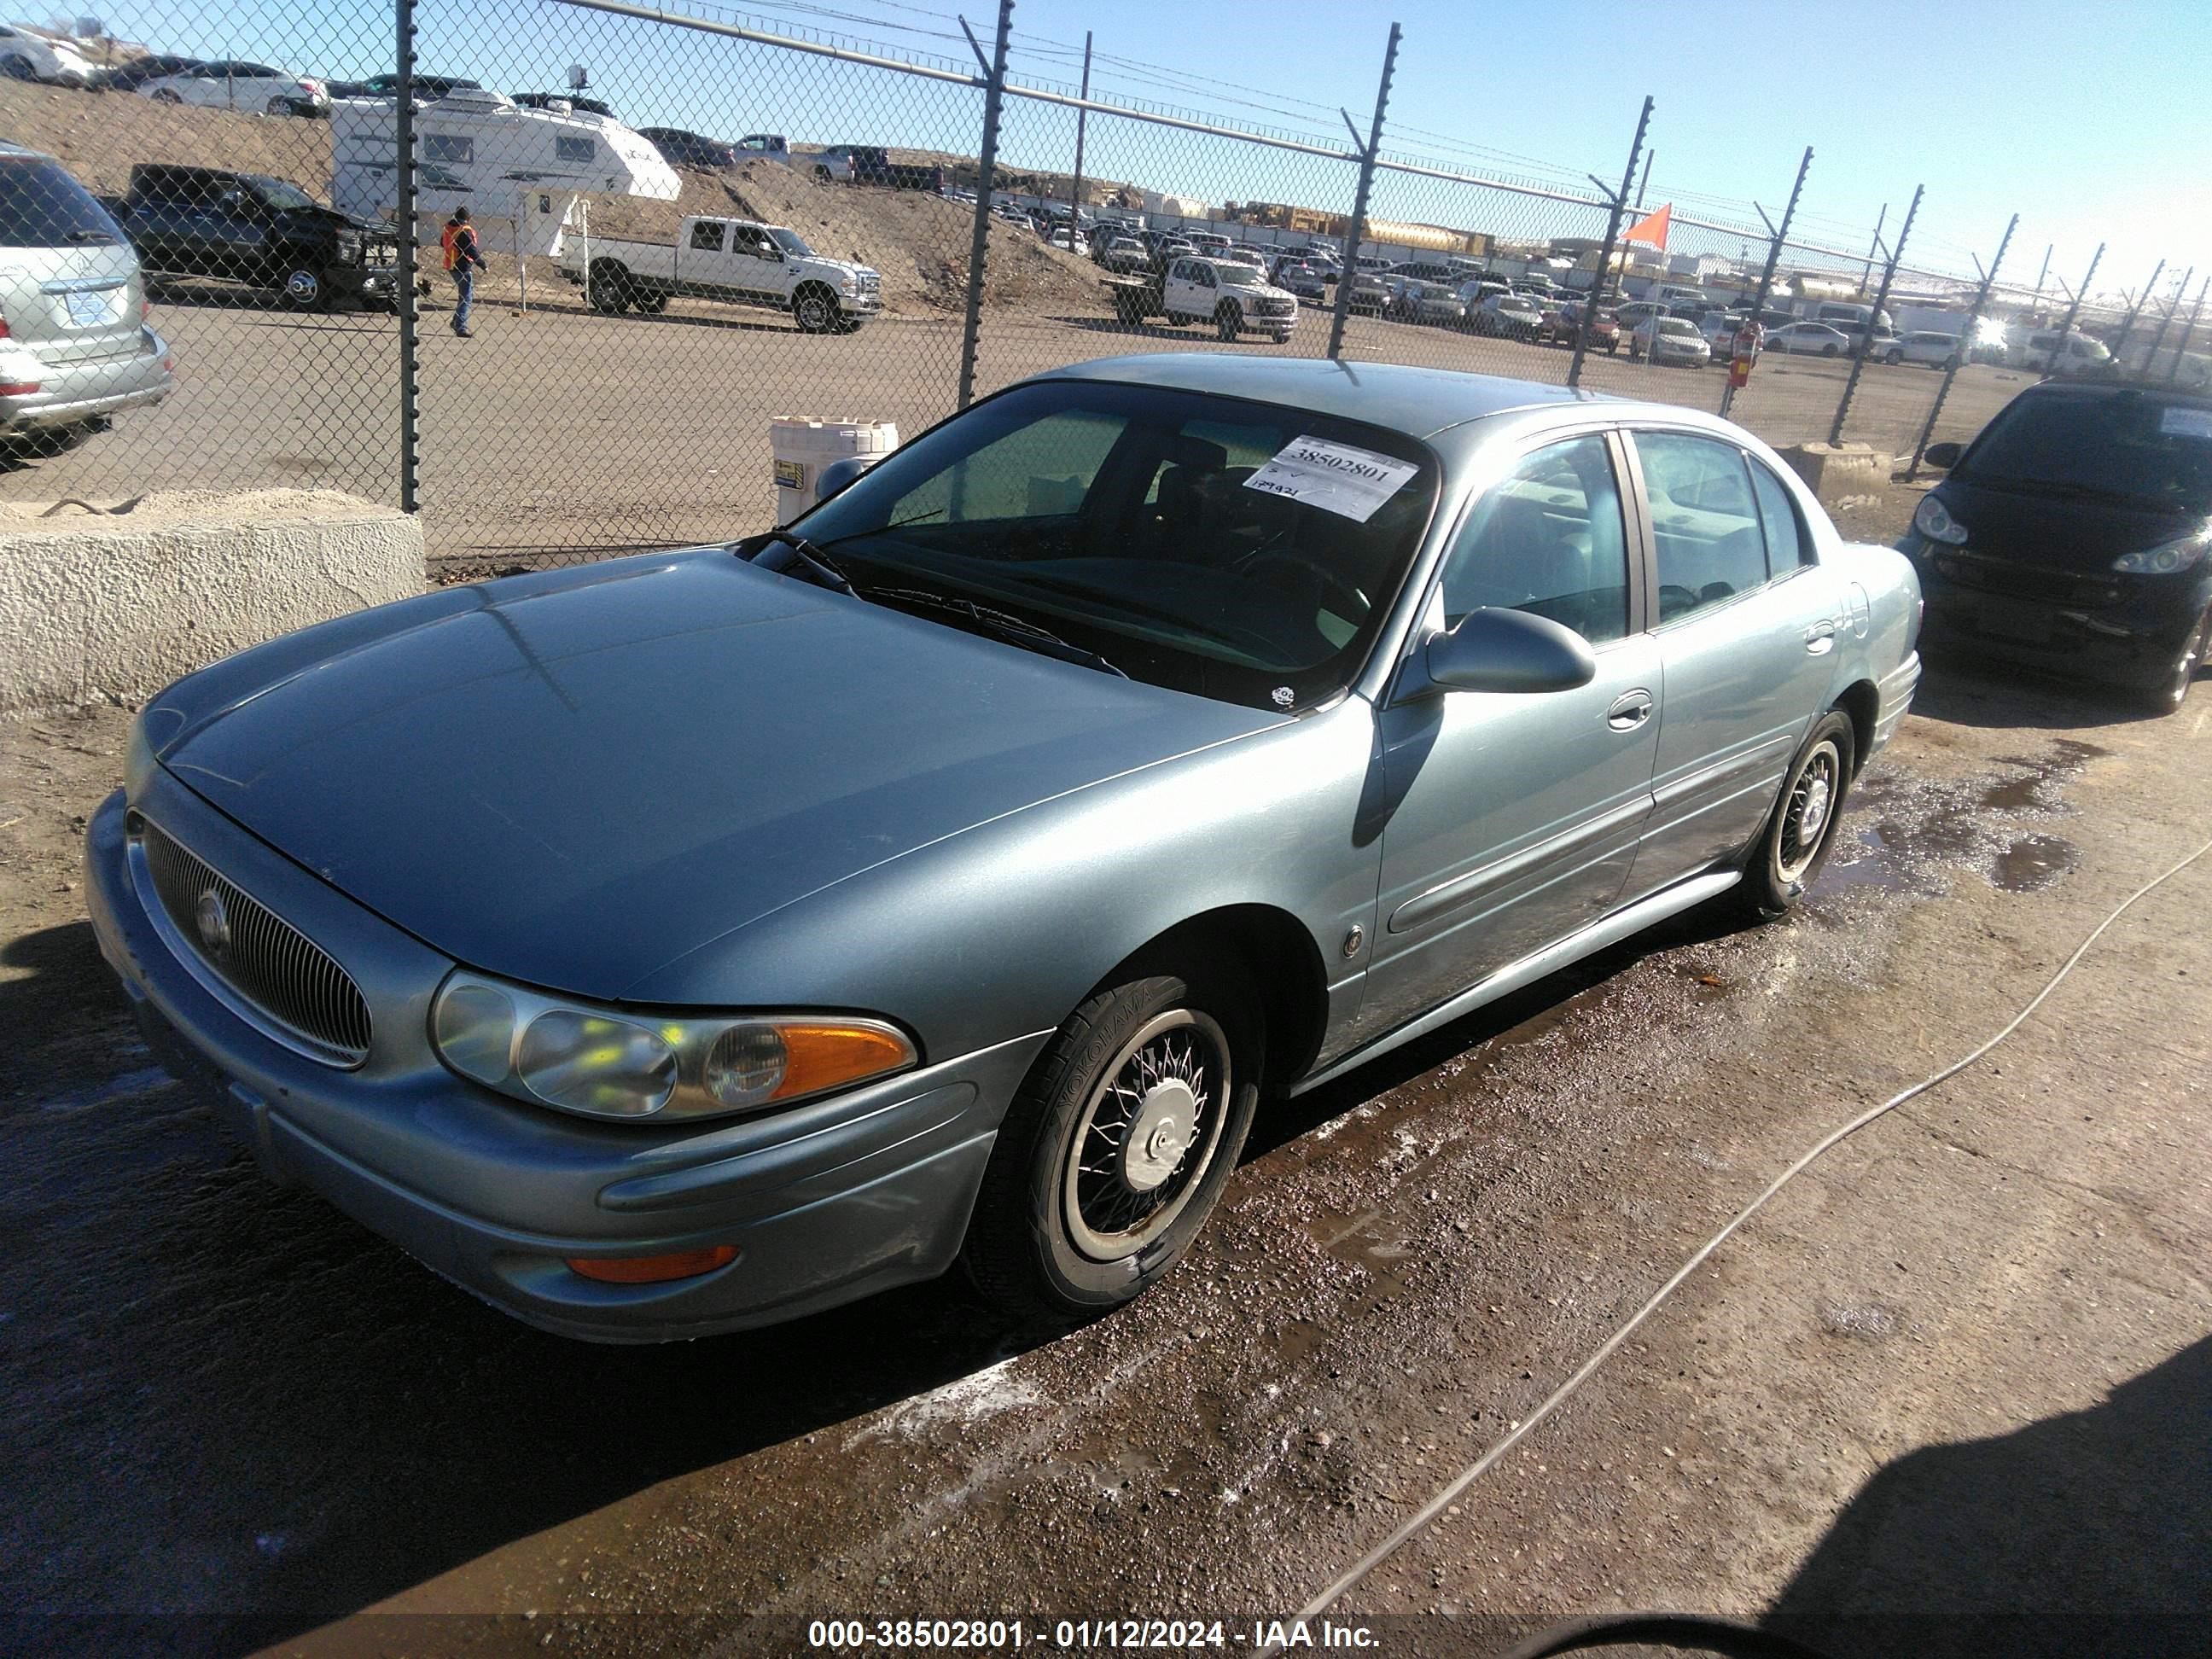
{"x":520,"y":171}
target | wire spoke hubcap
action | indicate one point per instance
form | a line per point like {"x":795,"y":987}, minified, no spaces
{"x":1147,"y":1135}
{"x":1812,"y":803}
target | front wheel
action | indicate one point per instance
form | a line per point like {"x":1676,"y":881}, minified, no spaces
{"x":1227,"y":323}
{"x":1827,"y":351}
{"x":1117,"y":1148}
{"x":303,"y":289}
{"x":1894,"y":359}
{"x":814,"y":308}
{"x":1792,"y":850}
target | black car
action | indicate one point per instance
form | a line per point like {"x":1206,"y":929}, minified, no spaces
{"x":129,"y":77}
{"x":680,"y":149}
{"x":265,"y":233}
{"x":2073,"y":534}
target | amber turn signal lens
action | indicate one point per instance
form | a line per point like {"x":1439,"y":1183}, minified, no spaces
{"x":652,"y":1269}
{"x":819,"y":1057}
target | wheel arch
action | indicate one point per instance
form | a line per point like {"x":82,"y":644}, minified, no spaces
{"x":1860,"y":703}
{"x":1281,"y":963}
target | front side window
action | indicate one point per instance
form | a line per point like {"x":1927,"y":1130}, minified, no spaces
{"x":1127,"y":518}
{"x":1547,"y":539}
{"x":1705,"y":523}
{"x":790,"y":242}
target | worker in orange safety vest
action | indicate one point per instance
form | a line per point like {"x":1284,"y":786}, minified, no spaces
{"x":462,"y":260}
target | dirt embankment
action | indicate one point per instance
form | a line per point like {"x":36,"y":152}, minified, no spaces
{"x":918,"y":241}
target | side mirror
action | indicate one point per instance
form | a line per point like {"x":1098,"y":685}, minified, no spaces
{"x":1510,"y":651}
{"x":1943,"y":455}
{"x":840,"y":473}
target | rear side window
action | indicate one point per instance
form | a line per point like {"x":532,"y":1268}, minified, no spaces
{"x":1786,"y":545}
{"x":707,"y":235}
{"x":1704,"y":521}
{"x":41,"y":206}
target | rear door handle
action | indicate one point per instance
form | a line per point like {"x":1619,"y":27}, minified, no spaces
{"x":1821,"y":637}
{"x":1630,"y":710}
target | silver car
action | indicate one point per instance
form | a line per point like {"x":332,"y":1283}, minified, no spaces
{"x":77,"y":347}
{"x":687,"y":941}
{"x":1669,"y":340}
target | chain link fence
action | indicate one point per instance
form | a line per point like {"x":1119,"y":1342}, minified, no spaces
{"x":222,"y":273}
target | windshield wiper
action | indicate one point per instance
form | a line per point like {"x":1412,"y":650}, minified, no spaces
{"x":1005,"y":624}
{"x":808,"y":559}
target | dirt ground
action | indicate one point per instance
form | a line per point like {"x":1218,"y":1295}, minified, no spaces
{"x":1944,"y":1396}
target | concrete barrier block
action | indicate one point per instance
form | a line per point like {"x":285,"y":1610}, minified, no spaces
{"x":115,"y":602}
{"x":1835,"y":472}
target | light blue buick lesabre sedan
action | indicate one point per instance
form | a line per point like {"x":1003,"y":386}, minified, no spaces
{"x":688,"y":941}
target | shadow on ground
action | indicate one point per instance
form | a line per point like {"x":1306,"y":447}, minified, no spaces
{"x":2086,"y":1534}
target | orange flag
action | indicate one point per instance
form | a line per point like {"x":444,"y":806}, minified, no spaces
{"x":1651,"y":228}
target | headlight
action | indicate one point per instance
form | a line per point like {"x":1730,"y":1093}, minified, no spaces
{"x":599,"y":1062}
{"x":848,"y":282}
{"x":1933,"y":520}
{"x":2162,"y":560}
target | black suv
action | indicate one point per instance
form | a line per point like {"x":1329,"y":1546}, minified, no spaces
{"x":2074,"y":534}
{"x":680,"y":149}
{"x":264,"y":232}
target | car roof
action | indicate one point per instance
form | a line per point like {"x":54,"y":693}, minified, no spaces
{"x":1419,"y":402}
{"x":2123,"y":385}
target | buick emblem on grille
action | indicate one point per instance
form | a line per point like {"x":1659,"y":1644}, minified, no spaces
{"x":213,"y":921}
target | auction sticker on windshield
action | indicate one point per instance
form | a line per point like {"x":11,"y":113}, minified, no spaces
{"x":1338,"y":478}
{"x":2179,"y":421}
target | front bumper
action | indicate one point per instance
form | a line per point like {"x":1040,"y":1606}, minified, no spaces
{"x":378,"y":283}
{"x":832,"y":1200}
{"x":2126,"y":631}
{"x":70,"y":393}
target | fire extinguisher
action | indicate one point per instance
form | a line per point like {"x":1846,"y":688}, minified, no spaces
{"x":1746,"y":348}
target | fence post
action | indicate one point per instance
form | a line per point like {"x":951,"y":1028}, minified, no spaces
{"x":986,"y":169}
{"x":2180,"y":351}
{"x":410,"y":367}
{"x":2073,"y":311}
{"x":1773,"y":258}
{"x":1604,"y":275}
{"x":1966,"y":344}
{"x":2150,"y":361}
{"x":2136,"y":310}
{"x":1075,"y":186}
{"x":1865,"y":339}
{"x":1347,"y":277}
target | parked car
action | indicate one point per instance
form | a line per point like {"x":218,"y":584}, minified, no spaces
{"x":75,"y":344}
{"x":1296,"y":275}
{"x":27,"y":56}
{"x":1507,"y":316}
{"x":1122,"y":254}
{"x":681,"y":149}
{"x":1438,"y":303}
{"x":2082,"y":355}
{"x":1563,"y":321}
{"x":254,"y":88}
{"x":1232,"y":296}
{"x":1718,"y":329}
{"x":764,"y":146}
{"x":577,"y":103}
{"x":428,"y":88}
{"x":1933,"y":349}
{"x":1664,"y":340}
{"x":1032,"y":852}
{"x":262,"y":232}
{"x":871,"y":164}
{"x":1369,"y":297}
{"x":1068,"y":239}
{"x":1819,"y":339}
{"x":130,"y":77}
{"x":737,"y":261}
{"x":2072,"y":535}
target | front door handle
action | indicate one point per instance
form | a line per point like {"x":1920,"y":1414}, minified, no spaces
{"x":1630,"y":710}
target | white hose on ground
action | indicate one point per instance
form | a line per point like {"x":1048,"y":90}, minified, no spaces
{"x":1429,"y":1511}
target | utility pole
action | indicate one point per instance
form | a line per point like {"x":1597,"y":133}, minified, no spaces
{"x":1605,"y":254}
{"x":1773,"y":258}
{"x":1358,"y":226}
{"x":1082,"y":117}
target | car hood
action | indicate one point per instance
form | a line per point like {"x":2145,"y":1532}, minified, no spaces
{"x":572,"y":785}
{"x":2028,"y":527}
{"x":815,"y":263}
{"x":331,"y":219}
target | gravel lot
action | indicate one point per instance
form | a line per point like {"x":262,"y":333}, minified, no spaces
{"x":1956,"y":1374}
{"x":563,"y":433}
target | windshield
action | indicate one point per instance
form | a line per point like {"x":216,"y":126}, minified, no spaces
{"x":1675,"y":326}
{"x":1238,"y":551}
{"x":2140,"y":448}
{"x":1238,"y":276}
{"x":281,"y":194}
{"x":791,"y":243}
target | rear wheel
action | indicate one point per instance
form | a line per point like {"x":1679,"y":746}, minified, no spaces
{"x":283,"y":106}
{"x":1827,"y":351}
{"x":610,"y":286}
{"x":1118,"y":1146}
{"x":1792,"y":850}
{"x":17,"y":67}
{"x":1894,"y":358}
{"x":1228,"y":323}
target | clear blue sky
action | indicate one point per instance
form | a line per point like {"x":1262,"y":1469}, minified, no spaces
{"x":2090,"y":119}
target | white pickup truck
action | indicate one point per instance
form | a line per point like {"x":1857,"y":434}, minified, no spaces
{"x":735,"y":260}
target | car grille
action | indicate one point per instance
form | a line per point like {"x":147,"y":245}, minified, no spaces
{"x":2058,"y":587}
{"x":1276,"y":307}
{"x":278,"y":971}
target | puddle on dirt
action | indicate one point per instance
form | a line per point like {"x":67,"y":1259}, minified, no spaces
{"x":2033,"y":862}
{"x":1922,"y":828}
